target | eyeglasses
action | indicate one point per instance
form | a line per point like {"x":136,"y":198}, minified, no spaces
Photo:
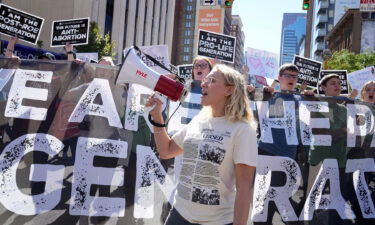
{"x":202,"y":66}
{"x":287,"y":75}
{"x":208,"y":79}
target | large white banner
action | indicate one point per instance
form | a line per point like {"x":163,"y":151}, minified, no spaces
{"x":262,"y":63}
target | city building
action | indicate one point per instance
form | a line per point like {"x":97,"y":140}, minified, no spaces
{"x":141,"y":22}
{"x":326,"y":13}
{"x":354,"y":32}
{"x":191,"y":17}
{"x":323,"y":17}
{"x":293,"y":29}
{"x":183,"y":36}
{"x":236,"y":31}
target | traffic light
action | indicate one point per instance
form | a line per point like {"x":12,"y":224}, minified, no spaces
{"x":306,"y":4}
{"x":228,"y":3}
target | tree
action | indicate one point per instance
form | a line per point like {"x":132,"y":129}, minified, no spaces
{"x":345,"y":60}
{"x":97,"y":43}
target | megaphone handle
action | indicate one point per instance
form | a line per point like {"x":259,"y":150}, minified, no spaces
{"x":159,"y":96}
{"x":162,"y":98}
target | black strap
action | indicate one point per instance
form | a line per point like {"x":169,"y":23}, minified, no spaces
{"x":166,"y":123}
{"x":182,"y":80}
{"x":155,"y":123}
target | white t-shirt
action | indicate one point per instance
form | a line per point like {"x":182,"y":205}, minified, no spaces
{"x":212,"y":146}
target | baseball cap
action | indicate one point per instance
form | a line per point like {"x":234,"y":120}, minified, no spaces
{"x":47,"y":55}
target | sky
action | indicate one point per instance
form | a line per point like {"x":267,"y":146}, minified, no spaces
{"x":262,"y":21}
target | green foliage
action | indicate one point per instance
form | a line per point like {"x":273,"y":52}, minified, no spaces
{"x":345,"y":60}
{"x":97,"y":43}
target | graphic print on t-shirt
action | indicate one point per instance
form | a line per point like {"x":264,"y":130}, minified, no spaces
{"x":211,"y":153}
{"x":199,"y":178}
{"x":205,"y":195}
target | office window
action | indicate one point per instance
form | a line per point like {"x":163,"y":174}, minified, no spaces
{"x":187,"y":41}
{"x":188,"y":24}
{"x":187,"y":32}
{"x":186,"y":49}
{"x":185,"y":58}
{"x":188,"y":16}
{"x":330,"y":13}
{"x":189,"y":7}
{"x":189,"y":0}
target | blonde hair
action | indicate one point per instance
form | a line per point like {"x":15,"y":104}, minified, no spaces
{"x":237,"y":106}
{"x":365,"y":86}
{"x":107,"y":59}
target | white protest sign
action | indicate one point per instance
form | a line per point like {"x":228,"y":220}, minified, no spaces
{"x":87,"y":56}
{"x":358,"y":78}
{"x":159,"y":52}
{"x":262,"y":63}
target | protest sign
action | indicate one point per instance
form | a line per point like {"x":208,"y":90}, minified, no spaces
{"x":209,"y":20}
{"x":309,"y":70}
{"x":75,"y":148}
{"x":75,"y":32}
{"x":173,"y":68}
{"x":262,"y":63}
{"x":358,"y":78}
{"x":343,"y":78}
{"x":186,"y":71}
{"x":87,"y":56}
{"x":216,"y":46}
{"x":159,"y":52}
{"x":16,"y":23}
{"x":367,"y":5}
{"x":261,"y":80}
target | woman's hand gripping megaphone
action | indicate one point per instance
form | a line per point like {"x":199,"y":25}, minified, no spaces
{"x":154,"y":106}
{"x":152,"y":101}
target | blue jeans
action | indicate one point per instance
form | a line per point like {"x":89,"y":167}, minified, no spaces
{"x":174,"y":218}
